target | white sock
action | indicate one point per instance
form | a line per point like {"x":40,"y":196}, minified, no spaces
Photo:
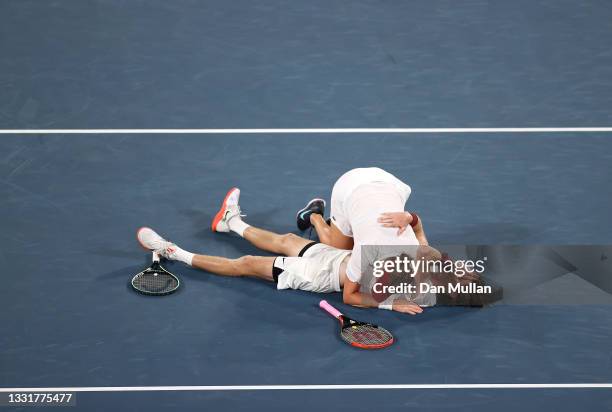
{"x":183,"y":256}
{"x":237,"y":226}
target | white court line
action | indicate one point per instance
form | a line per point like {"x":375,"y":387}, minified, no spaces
{"x":316,"y":387}
{"x":317,"y":130}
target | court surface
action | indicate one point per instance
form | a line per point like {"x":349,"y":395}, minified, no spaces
{"x":70,"y":203}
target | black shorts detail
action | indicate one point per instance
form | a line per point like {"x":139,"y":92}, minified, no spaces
{"x":278,"y":266}
{"x":305,"y":248}
{"x":276,"y":271}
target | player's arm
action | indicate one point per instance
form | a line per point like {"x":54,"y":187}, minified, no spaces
{"x":352,"y":296}
{"x":330,"y":234}
{"x":419,"y":232}
{"x":402,"y":220}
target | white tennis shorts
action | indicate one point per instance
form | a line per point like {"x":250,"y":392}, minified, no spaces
{"x":317,"y":270}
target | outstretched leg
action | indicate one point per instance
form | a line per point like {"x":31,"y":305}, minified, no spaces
{"x":228,"y":219}
{"x":287,"y":244}
{"x":257,"y":266}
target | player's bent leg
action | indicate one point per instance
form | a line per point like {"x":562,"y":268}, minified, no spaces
{"x":321,"y":227}
{"x":330,"y":234}
{"x":256,"y":266}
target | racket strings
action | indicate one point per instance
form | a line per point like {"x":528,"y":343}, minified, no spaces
{"x":366,"y":335}
{"x":155,"y":282}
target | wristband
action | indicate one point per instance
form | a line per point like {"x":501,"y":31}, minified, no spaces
{"x":387,"y":304}
{"x":415,"y":219}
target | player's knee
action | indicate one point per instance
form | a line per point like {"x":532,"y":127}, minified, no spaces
{"x":244,"y":264}
{"x":288,"y":238}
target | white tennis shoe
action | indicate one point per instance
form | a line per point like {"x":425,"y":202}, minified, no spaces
{"x":229,"y":209}
{"x":150,"y":240}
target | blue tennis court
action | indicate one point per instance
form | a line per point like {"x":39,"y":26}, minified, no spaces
{"x":74,"y":189}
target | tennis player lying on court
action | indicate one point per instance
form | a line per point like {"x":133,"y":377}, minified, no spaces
{"x":367,"y":208}
{"x":305,"y":265}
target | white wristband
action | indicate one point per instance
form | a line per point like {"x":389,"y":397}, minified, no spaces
{"x":387,"y":304}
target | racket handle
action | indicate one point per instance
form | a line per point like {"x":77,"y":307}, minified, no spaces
{"x":330,"y":309}
{"x":155,"y":257}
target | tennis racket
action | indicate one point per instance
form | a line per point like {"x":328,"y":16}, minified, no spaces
{"x":359,"y":334}
{"x":155,"y":280}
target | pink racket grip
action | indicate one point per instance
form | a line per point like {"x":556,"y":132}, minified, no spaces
{"x":329,"y":309}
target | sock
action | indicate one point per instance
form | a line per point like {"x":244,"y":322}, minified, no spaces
{"x":236,"y":225}
{"x":183,"y":256}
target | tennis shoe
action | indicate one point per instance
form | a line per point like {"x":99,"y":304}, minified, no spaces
{"x":150,"y":240}
{"x":303,"y":215}
{"x":229,"y":209}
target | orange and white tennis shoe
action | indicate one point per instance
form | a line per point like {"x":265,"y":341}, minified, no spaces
{"x":229,"y":209}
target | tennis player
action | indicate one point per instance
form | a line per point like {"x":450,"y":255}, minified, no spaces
{"x":304,"y":264}
{"x":367,"y":208}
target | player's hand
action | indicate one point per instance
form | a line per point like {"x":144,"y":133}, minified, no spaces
{"x":401,"y":220}
{"x":404,"y":306}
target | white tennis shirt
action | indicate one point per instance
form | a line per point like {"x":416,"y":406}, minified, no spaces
{"x":359,"y":197}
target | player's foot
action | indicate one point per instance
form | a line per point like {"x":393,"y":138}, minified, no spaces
{"x":229,"y":209}
{"x":303,"y":215}
{"x":150,"y":240}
